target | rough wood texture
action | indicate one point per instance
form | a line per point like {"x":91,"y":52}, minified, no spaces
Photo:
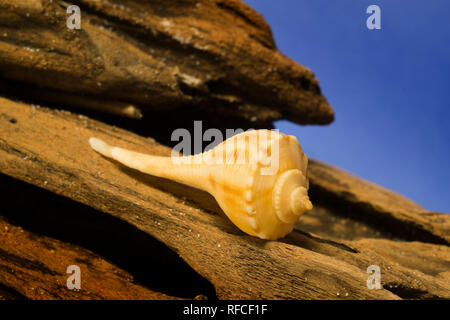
{"x":49,"y":149}
{"x":34,"y":267}
{"x":387,"y":210}
{"x":214,"y":56}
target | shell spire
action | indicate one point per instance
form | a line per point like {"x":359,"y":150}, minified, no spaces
{"x":258,"y":177}
{"x":162,"y":167}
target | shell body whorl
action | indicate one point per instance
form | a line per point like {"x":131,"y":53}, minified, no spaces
{"x":265,"y":194}
{"x":258,"y":178}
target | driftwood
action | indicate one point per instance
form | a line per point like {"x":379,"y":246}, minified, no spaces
{"x":391,"y":213}
{"x":49,"y":149}
{"x":213,"y":56}
{"x":35,"y":267}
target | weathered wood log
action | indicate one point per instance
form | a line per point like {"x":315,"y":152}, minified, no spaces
{"x":49,"y":149}
{"x":35,"y":267}
{"x":214,"y":56}
{"x":387,"y":210}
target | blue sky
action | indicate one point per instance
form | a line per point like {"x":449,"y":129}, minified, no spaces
{"x":389,"y":88}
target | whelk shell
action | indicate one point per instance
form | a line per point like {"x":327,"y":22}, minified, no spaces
{"x":258,"y":177}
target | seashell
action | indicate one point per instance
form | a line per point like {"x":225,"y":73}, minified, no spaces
{"x":258,"y":177}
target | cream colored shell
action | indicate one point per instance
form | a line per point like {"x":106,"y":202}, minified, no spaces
{"x":258,"y":177}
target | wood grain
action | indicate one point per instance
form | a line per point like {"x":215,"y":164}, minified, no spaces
{"x":214,"y":56}
{"x":49,"y":149}
{"x":35,"y":267}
